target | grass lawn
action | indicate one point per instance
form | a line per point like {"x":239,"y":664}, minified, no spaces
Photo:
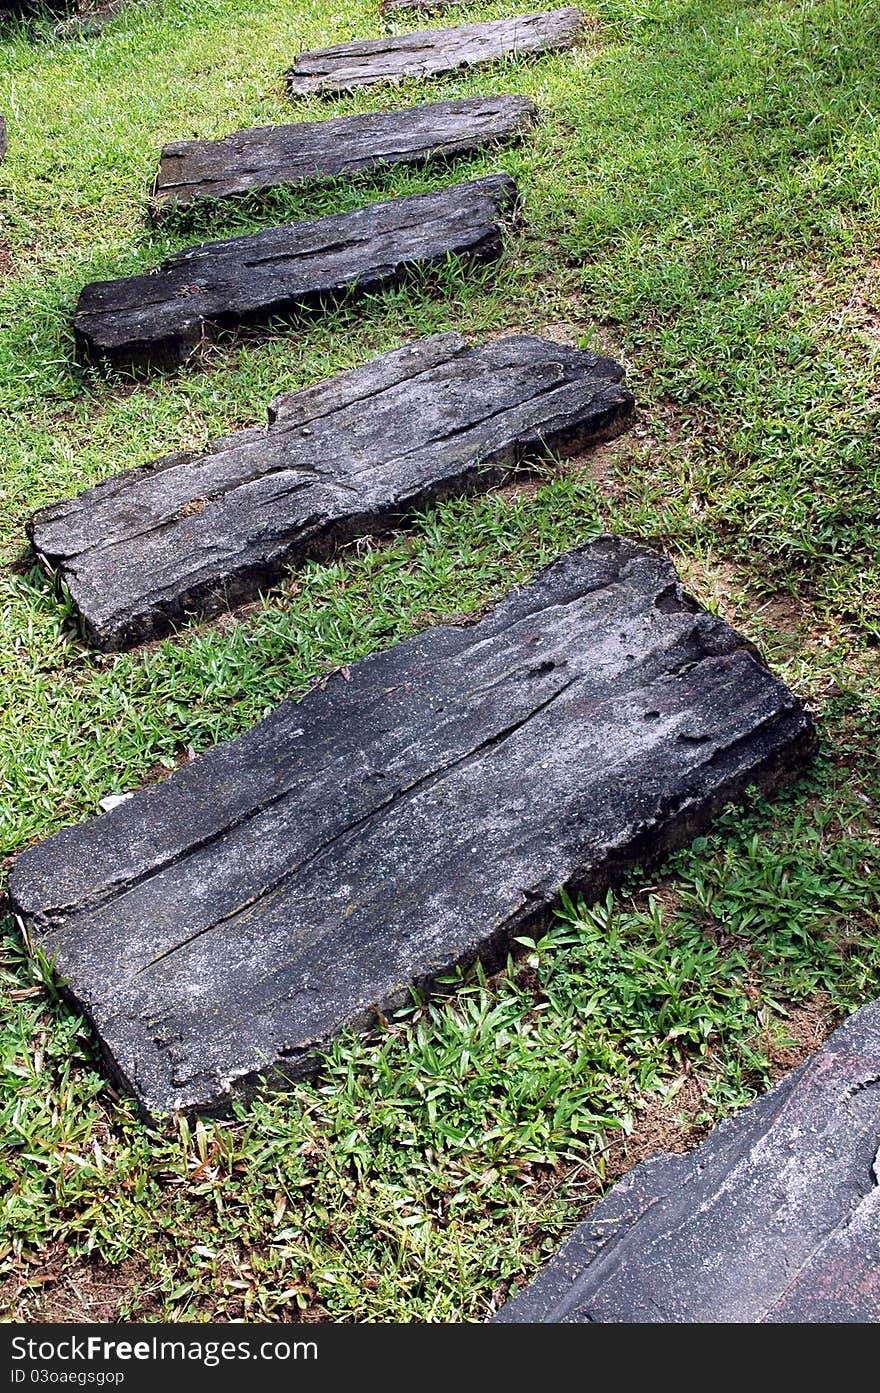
{"x":701,"y":198}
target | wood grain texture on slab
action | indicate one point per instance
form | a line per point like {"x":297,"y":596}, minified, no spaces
{"x":268,"y":157}
{"x":194,"y":533}
{"x":774,"y":1218}
{"x":415,"y":813}
{"x":163,"y":315}
{"x":364,"y":62}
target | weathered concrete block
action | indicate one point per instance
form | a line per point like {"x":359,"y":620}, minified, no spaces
{"x":226,"y":924}
{"x":305,"y":153}
{"x":776,"y":1217}
{"x":364,"y":62}
{"x":347,"y":457}
{"x":165,"y":314}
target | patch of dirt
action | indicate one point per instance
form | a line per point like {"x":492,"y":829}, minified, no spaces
{"x":859,"y":310}
{"x":159,"y":771}
{"x":803,"y":1031}
{"x":90,"y":17}
{"x":7,"y":261}
{"x":525,"y":487}
{"x":863,"y":307}
{"x":570,"y":332}
{"x":729,"y":589}
{"x":602,"y":463}
{"x":84,"y":1291}
{"x":785,"y":613}
{"x":674,"y":1123}
{"x":667,"y":895}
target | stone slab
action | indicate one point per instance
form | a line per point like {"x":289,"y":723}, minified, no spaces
{"x":415,"y":813}
{"x":364,"y":62}
{"x":165,"y":314}
{"x":775,"y":1218}
{"x":269,"y":157}
{"x":350,"y":456}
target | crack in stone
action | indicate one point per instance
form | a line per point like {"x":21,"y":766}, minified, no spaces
{"x":119,"y":888}
{"x":322,"y":470}
{"x":400,"y":796}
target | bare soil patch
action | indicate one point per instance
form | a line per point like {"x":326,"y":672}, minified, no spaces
{"x":86,"y":1290}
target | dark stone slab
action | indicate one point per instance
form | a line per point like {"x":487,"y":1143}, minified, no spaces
{"x":350,"y":456}
{"x":271,"y":156}
{"x":363,"y":62}
{"x":4,"y":138}
{"x":414,"y":814}
{"x":165,"y":314}
{"x":776,"y":1217}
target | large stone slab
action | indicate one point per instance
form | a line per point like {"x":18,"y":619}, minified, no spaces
{"x":270,"y":156}
{"x":776,"y":1217}
{"x":364,"y":62}
{"x":165,"y":314}
{"x":415,"y":813}
{"x":350,"y":456}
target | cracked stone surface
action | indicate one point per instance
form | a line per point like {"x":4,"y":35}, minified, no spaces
{"x":272,"y":156}
{"x":228,"y":923}
{"x":364,"y":62}
{"x":774,"y":1218}
{"x":163,"y":315}
{"x":359,"y":452}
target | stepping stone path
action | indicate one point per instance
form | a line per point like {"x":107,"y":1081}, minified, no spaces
{"x":426,"y":807}
{"x":164,"y":315}
{"x":271,"y":156}
{"x":775,"y":1218}
{"x":364,"y":62}
{"x":416,"y":813}
{"x":341,"y":459}
{"x":430,"y":804}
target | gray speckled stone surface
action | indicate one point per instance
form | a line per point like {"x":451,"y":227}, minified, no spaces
{"x":307,"y":152}
{"x":229,"y":922}
{"x":364,"y":62}
{"x":163,"y":315}
{"x":352,"y":455}
{"x":775,"y":1218}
